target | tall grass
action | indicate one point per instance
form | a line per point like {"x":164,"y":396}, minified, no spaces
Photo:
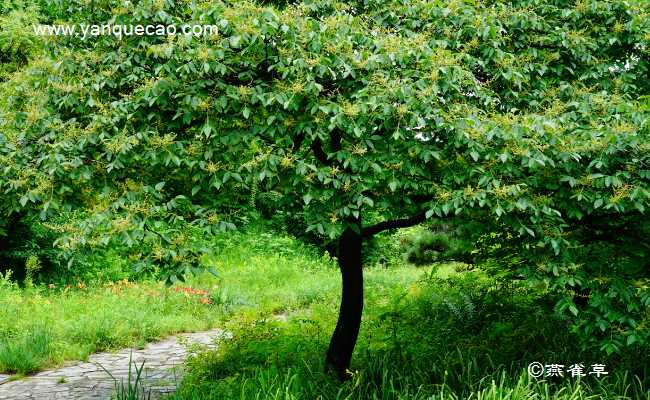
{"x":439,"y":334}
{"x":427,"y":333}
{"x":77,"y":322}
{"x":256,"y":272}
{"x":134,"y":388}
{"x":27,"y":352}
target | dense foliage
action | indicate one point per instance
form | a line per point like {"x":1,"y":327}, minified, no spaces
{"x":529,"y":118}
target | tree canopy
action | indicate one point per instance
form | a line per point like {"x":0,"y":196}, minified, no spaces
{"x":529,"y":118}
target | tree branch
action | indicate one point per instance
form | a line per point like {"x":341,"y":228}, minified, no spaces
{"x":320,"y":155}
{"x":393,"y":224}
{"x":297,"y":143}
{"x":420,"y":198}
{"x":336,"y":138}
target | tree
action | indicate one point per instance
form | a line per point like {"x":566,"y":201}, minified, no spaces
{"x":525,"y":117}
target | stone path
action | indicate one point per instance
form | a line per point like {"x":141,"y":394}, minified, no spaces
{"x":88,"y":380}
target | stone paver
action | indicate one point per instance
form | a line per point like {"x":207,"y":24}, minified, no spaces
{"x":89,"y":381}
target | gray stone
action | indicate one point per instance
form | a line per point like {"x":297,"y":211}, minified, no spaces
{"x":88,"y":380}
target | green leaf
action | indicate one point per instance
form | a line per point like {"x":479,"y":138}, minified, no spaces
{"x":23,"y":200}
{"x":235,"y":41}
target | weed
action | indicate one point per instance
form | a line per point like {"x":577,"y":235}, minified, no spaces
{"x":27,"y":352}
{"x":133,"y":388}
{"x":462,"y":337}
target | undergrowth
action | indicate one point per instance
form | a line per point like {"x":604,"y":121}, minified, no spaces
{"x":439,"y":335}
{"x":440,"y":332}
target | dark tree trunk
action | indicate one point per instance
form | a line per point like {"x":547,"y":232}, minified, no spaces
{"x":345,"y":334}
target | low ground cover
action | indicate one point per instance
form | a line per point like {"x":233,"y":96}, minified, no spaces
{"x":437,"y":332}
{"x":44,"y":324}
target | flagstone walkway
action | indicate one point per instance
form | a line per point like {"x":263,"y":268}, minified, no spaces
{"x":88,"y":380}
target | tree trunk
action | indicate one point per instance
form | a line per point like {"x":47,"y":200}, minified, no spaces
{"x":345,"y":334}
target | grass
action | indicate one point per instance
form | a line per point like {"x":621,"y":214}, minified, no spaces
{"x":28,"y":353}
{"x":133,"y":388}
{"x":43,"y":327}
{"x":270,"y":359}
{"x":427,"y":333}
{"x":441,"y":333}
{"x":73,"y":321}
